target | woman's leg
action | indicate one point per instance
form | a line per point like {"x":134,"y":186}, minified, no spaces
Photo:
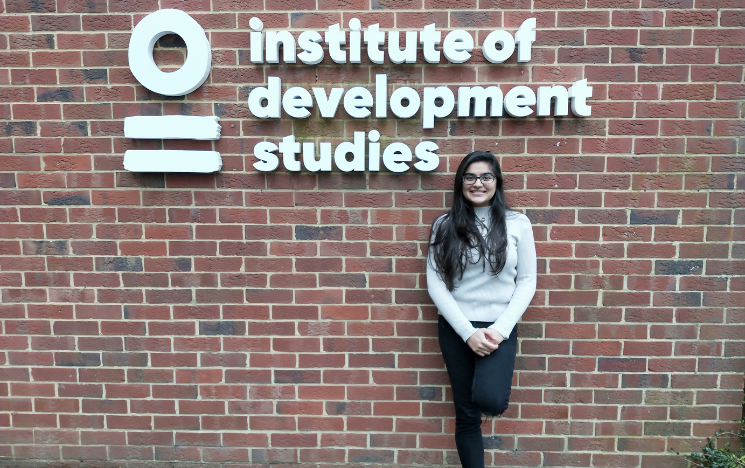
{"x":492,"y":381}
{"x":461,"y":364}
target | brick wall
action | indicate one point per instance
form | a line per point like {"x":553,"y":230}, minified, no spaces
{"x":282,"y":318}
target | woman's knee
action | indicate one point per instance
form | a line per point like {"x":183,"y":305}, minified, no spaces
{"x":467,"y":416}
{"x":490,"y":403}
{"x":468,"y":424}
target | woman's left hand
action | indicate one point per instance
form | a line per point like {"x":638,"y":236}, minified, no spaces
{"x":493,"y":335}
{"x":484,"y":342}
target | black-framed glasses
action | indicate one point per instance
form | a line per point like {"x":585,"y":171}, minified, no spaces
{"x":486,"y":178}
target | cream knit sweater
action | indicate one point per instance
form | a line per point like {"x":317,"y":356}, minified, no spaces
{"x":481,"y":297}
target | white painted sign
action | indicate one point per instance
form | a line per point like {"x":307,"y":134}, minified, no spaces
{"x":269,"y":102}
{"x":195,"y":70}
{"x":172,"y":127}
{"x":189,"y":77}
{"x":172,"y":161}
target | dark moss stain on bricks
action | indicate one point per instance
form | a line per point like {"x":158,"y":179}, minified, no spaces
{"x":119,"y":264}
{"x":222,"y":328}
{"x":62,"y":95}
{"x":637,"y":54}
{"x":550,"y":216}
{"x":493,"y":442}
{"x":71,"y":200}
{"x":96,"y":74}
{"x":654,"y":428}
{"x":427,"y":393}
{"x":27,"y":6}
{"x":125,"y":359}
{"x":77,"y":359}
{"x":183,"y":264}
{"x":82,"y":127}
{"x":318,"y":232}
{"x":654,"y":216}
{"x":24,"y":128}
{"x":678,"y":267}
{"x":530,"y":363}
{"x":384,"y":456}
{"x":8,"y":180}
{"x":684,"y":299}
{"x":645,"y":381}
{"x":297,"y":376}
{"x":36,"y":247}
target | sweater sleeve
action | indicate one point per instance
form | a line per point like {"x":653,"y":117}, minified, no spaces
{"x":525,"y":283}
{"x":444,"y":300}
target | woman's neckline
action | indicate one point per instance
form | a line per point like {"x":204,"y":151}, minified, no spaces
{"x":482,"y":211}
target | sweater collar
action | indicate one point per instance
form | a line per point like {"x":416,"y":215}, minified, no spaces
{"x":483,"y":219}
{"x":482,"y":212}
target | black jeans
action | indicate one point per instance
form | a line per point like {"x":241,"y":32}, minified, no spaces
{"x":481,"y":385}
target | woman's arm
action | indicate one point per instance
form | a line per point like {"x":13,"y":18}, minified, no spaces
{"x":445,"y":302}
{"x":525,"y":284}
{"x":441,"y":296}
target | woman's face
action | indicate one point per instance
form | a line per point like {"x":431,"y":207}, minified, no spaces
{"x":479,"y":193}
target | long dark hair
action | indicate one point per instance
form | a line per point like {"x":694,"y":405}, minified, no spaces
{"x":456,"y":232}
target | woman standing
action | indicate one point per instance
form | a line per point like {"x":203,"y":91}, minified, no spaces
{"x":481,"y":275}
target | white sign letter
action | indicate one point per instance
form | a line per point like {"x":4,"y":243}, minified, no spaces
{"x":374,"y":38}
{"x":356,"y":102}
{"x":264,"y":152}
{"x":430,"y":109}
{"x":327,"y":105}
{"x":545,"y":94}
{"x":273,"y":41}
{"x":272,"y":94}
{"x":517,"y":100}
{"x":457,"y":46}
{"x":196,"y":68}
{"x":409,"y":94}
{"x":312,"y":53}
{"x":524,"y":37}
{"x":357,"y":164}
{"x":334,"y":37}
{"x":425,"y":152}
{"x":578,"y":93}
{"x":429,"y":38}
{"x":289,"y":148}
{"x":395,"y":157}
{"x":296,"y":101}
{"x":506,"y":42}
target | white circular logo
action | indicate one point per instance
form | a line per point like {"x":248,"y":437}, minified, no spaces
{"x":198,"y":60}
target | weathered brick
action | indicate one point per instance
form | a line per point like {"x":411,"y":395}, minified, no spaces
{"x":119,"y":264}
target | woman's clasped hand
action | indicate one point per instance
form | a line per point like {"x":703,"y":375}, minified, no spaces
{"x":484,"y":341}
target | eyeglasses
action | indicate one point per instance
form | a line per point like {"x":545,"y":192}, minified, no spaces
{"x":486,"y":178}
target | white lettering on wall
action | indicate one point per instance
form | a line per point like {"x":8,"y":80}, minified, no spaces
{"x":198,"y":62}
{"x":348,"y":156}
{"x":269,"y":102}
{"x":405,"y":102}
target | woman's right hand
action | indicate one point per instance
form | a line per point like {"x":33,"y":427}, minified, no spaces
{"x":481,"y":343}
